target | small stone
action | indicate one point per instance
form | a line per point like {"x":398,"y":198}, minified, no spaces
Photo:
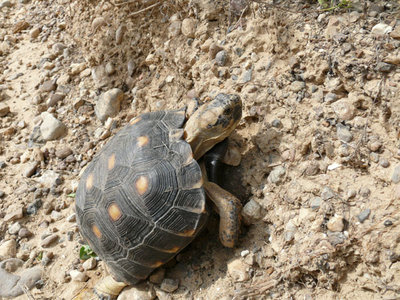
{"x":387,"y":223}
{"x":395,"y":34}
{"x":97,"y":23}
{"x":221,"y":58}
{"x":344,"y":133}
{"x":174,"y":29}
{"x":109,"y":104}
{"x":99,"y":76}
{"x":30,"y":169}
{"x":50,"y":178}
{"x":365,"y":191}
{"x":247,"y":75}
{"x":277,"y":175}
{"x":169,"y":285}
{"x":364,"y":215}
{"x":11,"y":264}
{"x":63,"y":79}
{"x":297,"y":86}
{"x":56,"y":215}
{"x":5,"y":3}
{"x":158,"y":276}
{"x":48,"y":241}
{"x":312,"y":168}
{"x":54,"y":99}
{"x":396,"y":174}
{"x":34,"y":33}
{"x":14,"y":215}
{"x":110,"y":68}
{"x":137,"y":292}
{"x":330,"y":98}
{"x":335,"y":224}
{"x":78,"y":276}
{"x":24,"y":233}
{"x":383,"y":162}
{"x":315,"y":203}
{"x":51,"y":128}
{"x":188,"y":27}
{"x":4,"y":110}
{"x":327,"y":193}
{"x":33,"y":208}
{"x":244,"y":253}
{"x":76,"y":69}
{"x":290,"y":230}
{"x":63,"y":151}
{"x":71,"y":218}
{"x":237,"y":269}
{"x":251,"y":212}
{"x":119,"y":33}
{"x":14,"y":228}
{"x":8,"y":249}
{"x":343,"y":109}
{"x":48,"y":86}
{"x":336,"y":238}
{"x":381,"y":29}
{"x":19,"y":26}
{"x":384,"y":67}
{"x":213,"y":50}
{"x":89,"y":264}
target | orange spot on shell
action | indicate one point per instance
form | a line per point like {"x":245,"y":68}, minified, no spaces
{"x":96,"y":231}
{"x":173,"y":250}
{"x":157,"y":264}
{"x":89,"y":181}
{"x":111,"y":161}
{"x":114,"y":211}
{"x":142,"y":184}
{"x":142,"y":140}
{"x":135,"y":120}
{"x":189,"y":232}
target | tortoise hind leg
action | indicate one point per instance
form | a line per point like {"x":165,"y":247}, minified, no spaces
{"x":229,"y":208}
{"x":108,"y":288}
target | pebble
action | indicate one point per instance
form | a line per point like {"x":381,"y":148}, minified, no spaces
{"x":387,"y":223}
{"x":335,"y":224}
{"x":11,"y":264}
{"x":383,"y":162}
{"x":99,"y":76}
{"x":89,"y":264}
{"x":336,"y":238}
{"x":54,"y":99}
{"x":2,"y":194}
{"x":47,"y":257}
{"x":24,"y":233}
{"x":34,"y":207}
{"x":50,"y":178}
{"x":221,"y":58}
{"x":237,"y":269}
{"x":8,"y":249}
{"x":110,"y":68}
{"x":4,"y":110}
{"x":34,"y":33}
{"x":384,"y":67}
{"x":395,"y":34}
{"x":174,"y":29}
{"x":396,"y":174}
{"x":48,"y":241}
{"x":137,"y":293}
{"x":247,"y":75}
{"x":290,"y":230}
{"x":365,"y":191}
{"x":97,"y":23}
{"x":157,"y":276}
{"x":63,"y":151}
{"x":169,"y":285}
{"x":51,"y":128}
{"x":30,"y":169}
{"x":109,"y":104}
{"x":327,"y":193}
{"x":297,"y":86}
{"x":78,"y":276}
{"x":344,"y":133}
{"x":381,"y":29}
{"x":188,"y":27}
{"x":330,"y":98}
{"x":119,"y":33}
{"x":10,"y":284}
{"x":343,"y":109}
{"x":77,"y":68}
{"x":277,"y":175}
{"x":14,"y":215}
{"x":48,"y":86}
{"x":56,"y":215}
{"x":251,"y":212}
{"x":71,"y":218}
{"x":14,"y":228}
{"x":315,"y":203}
{"x":364,"y":215}
{"x":213,"y":50}
{"x":244,"y":253}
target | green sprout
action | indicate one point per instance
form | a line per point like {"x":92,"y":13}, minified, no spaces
{"x":86,"y":252}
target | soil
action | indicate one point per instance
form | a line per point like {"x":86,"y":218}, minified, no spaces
{"x":319,"y":138}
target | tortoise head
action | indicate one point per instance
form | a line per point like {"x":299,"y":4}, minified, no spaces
{"x":212,"y":123}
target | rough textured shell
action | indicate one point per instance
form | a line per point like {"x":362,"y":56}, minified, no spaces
{"x":140,"y":201}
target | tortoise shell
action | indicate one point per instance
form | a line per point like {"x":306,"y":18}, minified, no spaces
{"x":140,"y":201}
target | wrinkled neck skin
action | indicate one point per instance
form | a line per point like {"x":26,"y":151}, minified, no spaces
{"x":212,"y":123}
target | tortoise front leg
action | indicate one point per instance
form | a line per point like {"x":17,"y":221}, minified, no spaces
{"x":229,"y":208}
{"x":109,"y":288}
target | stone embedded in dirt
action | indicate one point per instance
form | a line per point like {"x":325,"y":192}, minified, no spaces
{"x":47,"y":257}
{"x":109,"y":104}
{"x":315,"y":203}
{"x":48,"y":86}
{"x":344,"y":109}
{"x":158,"y":276}
{"x":336,"y":238}
{"x":110,"y":68}
{"x":34,"y":207}
{"x":51,"y":128}
{"x":11,"y":264}
{"x":16,"y":214}
{"x":364,"y":215}
{"x":221,"y":58}
{"x":24,"y":233}
{"x":63,"y":79}
{"x":54,"y":99}
{"x":119,"y":33}
{"x":77,"y":68}
{"x":71,"y":218}
{"x":247,"y":75}
{"x":2,"y":193}
{"x":169,"y":285}
{"x":97,"y":23}
{"x":48,"y":241}
{"x":137,"y":292}
{"x":396,"y":174}
{"x":290,"y":230}
{"x":78,"y":276}
{"x":174,"y":28}
{"x":4,"y":110}
{"x":251,"y":212}
{"x":330,"y":98}
{"x":89,"y":264}
{"x":189,"y":27}
{"x":277,"y":175}
{"x":11,"y":285}
{"x":50,"y":178}
{"x":381,"y":29}
{"x":99,"y":76}
{"x":34,"y":33}
{"x":297,"y":86}
{"x":395,"y":34}
{"x":343,"y":133}
{"x":8,"y":249}
{"x":14,"y":228}
{"x":5,"y":3}
{"x":384,"y":67}
{"x":30,"y":169}
{"x":63,"y":151}
{"x":19,"y":26}
{"x":237,"y":269}
{"x":213,"y":50}
{"x":56,"y":215}
{"x":335,"y":224}
{"x":365,"y":191}
{"x":383,"y":162}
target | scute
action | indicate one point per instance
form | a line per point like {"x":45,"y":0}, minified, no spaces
{"x":142,"y":225}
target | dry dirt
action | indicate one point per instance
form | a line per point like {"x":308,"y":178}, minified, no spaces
{"x":319,"y":137}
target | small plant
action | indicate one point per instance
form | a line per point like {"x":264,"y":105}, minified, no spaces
{"x":39,"y":256}
{"x":72,"y":195}
{"x":332,"y":5}
{"x":86,"y":252}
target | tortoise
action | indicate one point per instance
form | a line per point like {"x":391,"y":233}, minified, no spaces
{"x":142,"y":198}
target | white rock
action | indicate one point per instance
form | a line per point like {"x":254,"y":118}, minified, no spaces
{"x":78,"y":276}
{"x":237,"y":269}
{"x":137,"y":293}
{"x":336,"y":224}
{"x":8,"y":249}
{"x":51,"y":128}
{"x":251,"y":212}
{"x":109,"y":104}
{"x":381,"y":29}
{"x":89,"y":264}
